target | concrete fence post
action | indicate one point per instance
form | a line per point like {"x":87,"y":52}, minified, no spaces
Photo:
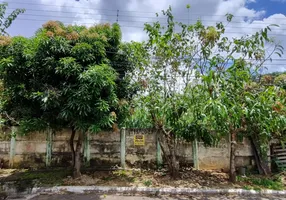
{"x":122,"y":147}
{"x":195,"y":154}
{"x":12,"y":147}
{"x":158,"y":152}
{"x":49,"y":143}
{"x":86,"y":151}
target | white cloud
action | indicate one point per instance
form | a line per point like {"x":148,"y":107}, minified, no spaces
{"x":134,"y":13}
{"x":81,"y":12}
{"x":134,"y":35}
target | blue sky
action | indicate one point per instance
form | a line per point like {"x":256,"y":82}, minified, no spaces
{"x":270,"y":6}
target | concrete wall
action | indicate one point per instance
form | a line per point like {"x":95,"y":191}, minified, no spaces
{"x":30,"y":151}
{"x":4,"y":149}
{"x":217,"y":157}
{"x":144,"y":156}
{"x":104,"y":148}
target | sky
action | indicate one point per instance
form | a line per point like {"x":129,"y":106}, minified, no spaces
{"x":249,"y":16}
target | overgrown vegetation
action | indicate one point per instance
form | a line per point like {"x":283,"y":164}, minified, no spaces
{"x":259,"y":183}
{"x":189,"y":82}
{"x":197,"y":84}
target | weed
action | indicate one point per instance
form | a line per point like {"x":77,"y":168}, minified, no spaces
{"x":148,"y":183}
{"x":131,"y":179}
{"x":239,"y":178}
{"x":246,"y":187}
{"x":268,"y":183}
{"x":257,"y":188}
{"x":121,"y":173}
{"x":262,"y":182}
{"x":137,"y":173}
{"x":124,"y":175}
{"x":108,"y":178}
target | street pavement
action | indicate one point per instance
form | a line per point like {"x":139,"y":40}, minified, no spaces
{"x":117,"y":197}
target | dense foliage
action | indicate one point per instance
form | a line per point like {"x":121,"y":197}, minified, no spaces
{"x":194,"y":84}
{"x":65,"y":76}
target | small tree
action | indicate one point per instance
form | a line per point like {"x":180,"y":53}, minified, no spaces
{"x":189,"y":88}
{"x":172,"y":59}
{"x":241,"y":110}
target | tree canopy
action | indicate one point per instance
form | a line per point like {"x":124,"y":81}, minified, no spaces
{"x":65,"y":76}
{"x":195,"y":85}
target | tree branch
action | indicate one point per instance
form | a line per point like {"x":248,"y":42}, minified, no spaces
{"x":11,"y":118}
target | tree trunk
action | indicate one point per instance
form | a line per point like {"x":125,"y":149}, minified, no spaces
{"x":232,"y":171}
{"x":77,"y":164}
{"x":175,"y":167}
{"x":72,"y":146}
{"x":171,"y":158}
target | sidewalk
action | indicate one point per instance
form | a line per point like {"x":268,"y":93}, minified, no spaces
{"x":115,"y":197}
{"x":110,"y":193}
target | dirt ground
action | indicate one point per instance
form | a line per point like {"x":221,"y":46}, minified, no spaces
{"x":148,"y":178}
{"x":189,"y":178}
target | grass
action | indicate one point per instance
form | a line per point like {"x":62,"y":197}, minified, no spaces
{"x":259,"y":183}
{"x":124,"y":175}
{"x":44,"y":178}
{"x":121,"y":173}
{"x":147,"y":183}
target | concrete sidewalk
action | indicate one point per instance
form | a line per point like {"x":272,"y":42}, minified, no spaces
{"x":152,"y":191}
{"x":120,"y":197}
{"x":146,"y":193}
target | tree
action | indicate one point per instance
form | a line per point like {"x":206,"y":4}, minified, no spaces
{"x":5,"y":22}
{"x":240,"y":109}
{"x":280,"y":81}
{"x":274,"y":78}
{"x":66,"y":76}
{"x":172,"y":58}
{"x":194,"y":84}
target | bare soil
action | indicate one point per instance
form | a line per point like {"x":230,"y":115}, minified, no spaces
{"x":147,"y":178}
{"x":189,"y":178}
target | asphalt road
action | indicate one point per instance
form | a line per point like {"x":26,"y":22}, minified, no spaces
{"x":117,"y":197}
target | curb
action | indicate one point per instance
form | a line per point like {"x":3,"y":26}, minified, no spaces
{"x":151,"y":191}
